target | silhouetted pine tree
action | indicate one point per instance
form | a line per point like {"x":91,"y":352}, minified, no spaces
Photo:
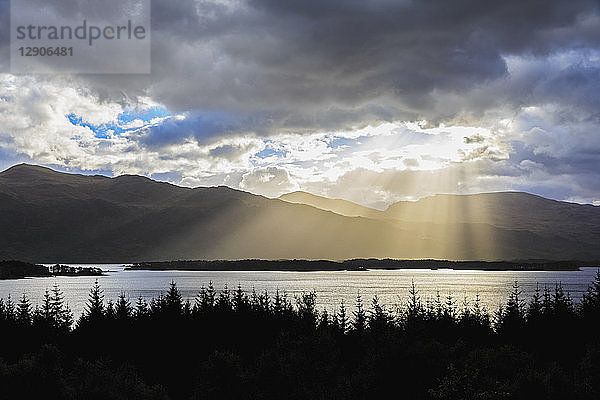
{"x":563,"y":324}
{"x":324,"y":323}
{"x":43,"y":314}
{"x":379,"y":318}
{"x":94,"y":309}
{"x":466,"y":318}
{"x":278,"y":304}
{"x":173,"y":300}
{"x":481,"y":319}
{"x":342,"y":318}
{"x":141,"y":308}
{"x":201,"y":304}
{"x":465,"y":311}
{"x":562,"y":304}
{"x":450,"y":308}
{"x":210,"y":295}
{"x":287,"y":304}
{"x":512,"y":318}
{"x":306,"y":304}
{"x":547,"y":307}
{"x":498,"y":316}
{"x":157,"y":305}
{"x":10,"y":310}
{"x":335,"y":322}
{"x":515,"y":302}
{"x":254,"y":301}
{"x":439,"y":307}
{"x":62,"y":317}
{"x":590,"y":303}
{"x":414,"y":308}
{"x":265,"y":302}
{"x":110,"y":310}
{"x":478,"y":311}
{"x":2,"y":315}
{"x":224,"y":299}
{"x":429,"y":310}
{"x":240,"y":300}
{"x":24,"y":312}
{"x":535,"y":308}
{"x":360,"y":317}
{"x":123,"y":309}
{"x":187,"y":309}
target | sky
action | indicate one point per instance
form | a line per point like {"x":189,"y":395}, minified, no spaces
{"x":373,"y":101}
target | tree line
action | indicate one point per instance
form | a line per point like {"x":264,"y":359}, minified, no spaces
{"x":233,"y":343}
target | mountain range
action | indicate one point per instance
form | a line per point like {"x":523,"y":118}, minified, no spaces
{"x":52,"y":217}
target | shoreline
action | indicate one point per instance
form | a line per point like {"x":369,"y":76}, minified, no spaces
{"x":296,"y":265}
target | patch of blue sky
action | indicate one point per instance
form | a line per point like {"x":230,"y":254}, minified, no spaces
{"x":73,"y":170}
{"x":121,"y":124}
{"x":269,"y":151}
{"x":144,"y":115}
{"x":9,"y":158}
{"x":171,"y":176}
{"x":203,"y":125}
{"x":341,"y":142}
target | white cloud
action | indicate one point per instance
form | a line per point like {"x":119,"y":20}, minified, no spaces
{"x":269,"y":181}
{"x":549,"y":148}
{"x":34,"y":123}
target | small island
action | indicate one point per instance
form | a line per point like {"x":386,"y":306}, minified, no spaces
{"x":66,"y":270}
{"x":18,"y":270}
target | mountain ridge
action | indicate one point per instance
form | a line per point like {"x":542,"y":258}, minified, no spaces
{"x":339,"y":206}
{"x":56,"y":217}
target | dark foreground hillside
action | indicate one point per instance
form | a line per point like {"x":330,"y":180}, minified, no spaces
{"x":233,"y":344}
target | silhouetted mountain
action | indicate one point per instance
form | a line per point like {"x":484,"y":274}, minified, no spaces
{"x":53,"y":217}
{"x":338,"y":206}
{"x":509,"y":210}
{"x":49,"y":216}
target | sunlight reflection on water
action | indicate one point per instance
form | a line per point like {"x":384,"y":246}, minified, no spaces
{"x":391,"y":286}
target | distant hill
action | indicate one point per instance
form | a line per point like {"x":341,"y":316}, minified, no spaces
{"x":353,"y":265}
{"x":338,"y":206}
{"x":52,"y":217}
{"x":510,"y":210}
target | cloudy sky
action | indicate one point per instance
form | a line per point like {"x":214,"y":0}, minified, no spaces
{"x":370,"y":100}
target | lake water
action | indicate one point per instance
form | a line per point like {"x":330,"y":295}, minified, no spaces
{"x":391,"y":286}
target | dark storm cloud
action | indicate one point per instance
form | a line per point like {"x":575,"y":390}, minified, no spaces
{"x":578,"y":86}
{"x":314,"y":64}
{"x":306,"y":64}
